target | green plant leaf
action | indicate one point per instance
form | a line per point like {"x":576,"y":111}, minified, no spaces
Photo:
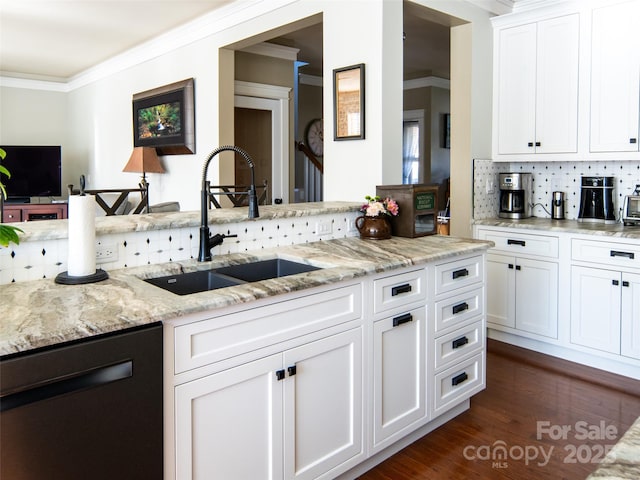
{"x":9,"y":234}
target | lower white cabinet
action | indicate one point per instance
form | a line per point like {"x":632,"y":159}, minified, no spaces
{"x":522,"y":294}
{"x":605,"y":310}
{"x":311,"y":386}
{"x":295,"y":414}
{"x":398,"y":374}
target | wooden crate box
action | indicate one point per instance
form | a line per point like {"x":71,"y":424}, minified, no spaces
{"x":418,"y":209}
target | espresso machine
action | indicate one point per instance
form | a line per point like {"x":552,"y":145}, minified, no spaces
{"x":596,"y":200}
{"x":515,"y":195}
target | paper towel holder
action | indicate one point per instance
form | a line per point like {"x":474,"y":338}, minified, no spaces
{"x":65,"y":279}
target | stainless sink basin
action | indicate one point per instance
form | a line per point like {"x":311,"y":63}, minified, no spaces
{"x":264,"y":270}
{"x":201,"y":281}
{"x":193,"y":282}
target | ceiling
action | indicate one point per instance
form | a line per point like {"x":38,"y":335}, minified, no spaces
{"x":59,"y":39}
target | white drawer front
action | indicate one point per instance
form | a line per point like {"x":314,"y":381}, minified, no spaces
{"x":459,"y":383}
{"x":455,"y":346}
{"x":455,"y":310}
{"x":459,"y":273}
{"x":399,"y":290}
{"x":520,"y":243}
{"x":610,"y":253}
{"x":216,"y":339}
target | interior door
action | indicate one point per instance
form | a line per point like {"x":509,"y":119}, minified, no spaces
{"x":253,"y":133}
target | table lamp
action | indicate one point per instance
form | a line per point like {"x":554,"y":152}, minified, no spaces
{"x":143,"y":160}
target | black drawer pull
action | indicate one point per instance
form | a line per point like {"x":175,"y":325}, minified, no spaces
{"x":279,"y":374}
{"x":459,"y":342}
{"x":633,"y":140}
{"x":617,"y":253}
{"x":538,"y":144}
{"x":461,"y":307}
{"x":615,"y":282}
{"x":529,"y":144}
{"x":458,"y":379}
{"x":463,"y":272}
{"x":291,"y":370}
{"x":406,"y":288}
{"x":406,"y":318}
{"x":522,"y":243}
{"x":625,"y":283}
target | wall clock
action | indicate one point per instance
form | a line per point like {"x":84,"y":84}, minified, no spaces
{"x":314,"y":137}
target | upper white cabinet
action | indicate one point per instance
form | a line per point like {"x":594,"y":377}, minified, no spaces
{"x":615,"y":78}
{"x":536,"y":87}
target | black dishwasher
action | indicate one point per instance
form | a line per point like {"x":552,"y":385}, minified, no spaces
{"x":89,"y":409}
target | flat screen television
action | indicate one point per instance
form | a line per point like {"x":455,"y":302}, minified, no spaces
{"x":35,"y":171}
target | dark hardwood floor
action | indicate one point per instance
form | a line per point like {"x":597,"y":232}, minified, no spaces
{"x":523,"y":388}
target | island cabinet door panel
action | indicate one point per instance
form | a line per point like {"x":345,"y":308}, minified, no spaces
{"x":229,"y":425}
{"x":630,"y":344}
{"x":595,"y":308}
{"x":323,"y":407}
{"x":398,"y":374}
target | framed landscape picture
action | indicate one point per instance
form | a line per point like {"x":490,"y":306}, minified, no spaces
{"x":164,"y":118}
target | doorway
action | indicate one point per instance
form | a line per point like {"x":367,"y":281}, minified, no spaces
{"x":253,"y":134}
{"x":261,"y":126}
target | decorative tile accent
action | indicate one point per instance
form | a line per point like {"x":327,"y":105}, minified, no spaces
{"x":45,"y":258}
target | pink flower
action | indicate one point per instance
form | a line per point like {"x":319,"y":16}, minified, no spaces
{"x":392,"y":206}
{"x":377,"y":207}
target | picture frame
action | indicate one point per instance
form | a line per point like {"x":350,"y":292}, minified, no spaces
{"x":164,"y":118}
{"x":348,"y":103}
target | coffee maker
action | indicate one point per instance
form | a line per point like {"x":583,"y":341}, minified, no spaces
{"x":596,"y":200}
{"x":515,"y":195}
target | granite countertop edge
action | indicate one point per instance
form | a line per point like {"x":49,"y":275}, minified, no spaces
{"x":617,"y":230}
{"x":59,"y":229}
{"x":42,"y":313}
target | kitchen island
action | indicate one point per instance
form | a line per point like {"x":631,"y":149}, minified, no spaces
{"x":378,"y":346}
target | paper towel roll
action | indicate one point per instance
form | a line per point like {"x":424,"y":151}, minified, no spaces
{"x":82,"y":235}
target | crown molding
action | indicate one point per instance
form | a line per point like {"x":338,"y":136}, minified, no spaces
{"x":313,"y":80}
{"x":427,"y":82}
{"x":273,"y":50}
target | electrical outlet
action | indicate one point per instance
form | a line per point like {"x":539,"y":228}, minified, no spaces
{"x":106,"y":253}
{"x":491,"y":187}
{"x":324,"y":228}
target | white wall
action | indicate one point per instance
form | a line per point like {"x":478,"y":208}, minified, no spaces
{"x":99,"y":128}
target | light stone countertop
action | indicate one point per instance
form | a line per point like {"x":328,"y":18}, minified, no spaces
{"x":623,"y":460}
{"x":617,"y":230}
{"x":56,"y":229}
{"x":42,"y":313}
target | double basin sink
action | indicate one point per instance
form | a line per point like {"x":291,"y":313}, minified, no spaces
{"x":203,"y":280}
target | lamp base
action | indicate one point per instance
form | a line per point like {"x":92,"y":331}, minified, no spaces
{"x":66,"y":279}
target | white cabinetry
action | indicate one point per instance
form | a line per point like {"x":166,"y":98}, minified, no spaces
{"x":271,"y":392}
{"x":399,"y":373}
{"x":615,"y":78}
{"x":320,"y":384}
{"x":536,"y":88}
{"x":457,"y":332}
{"x":522,"y":282}
{"x":605,"y":300}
